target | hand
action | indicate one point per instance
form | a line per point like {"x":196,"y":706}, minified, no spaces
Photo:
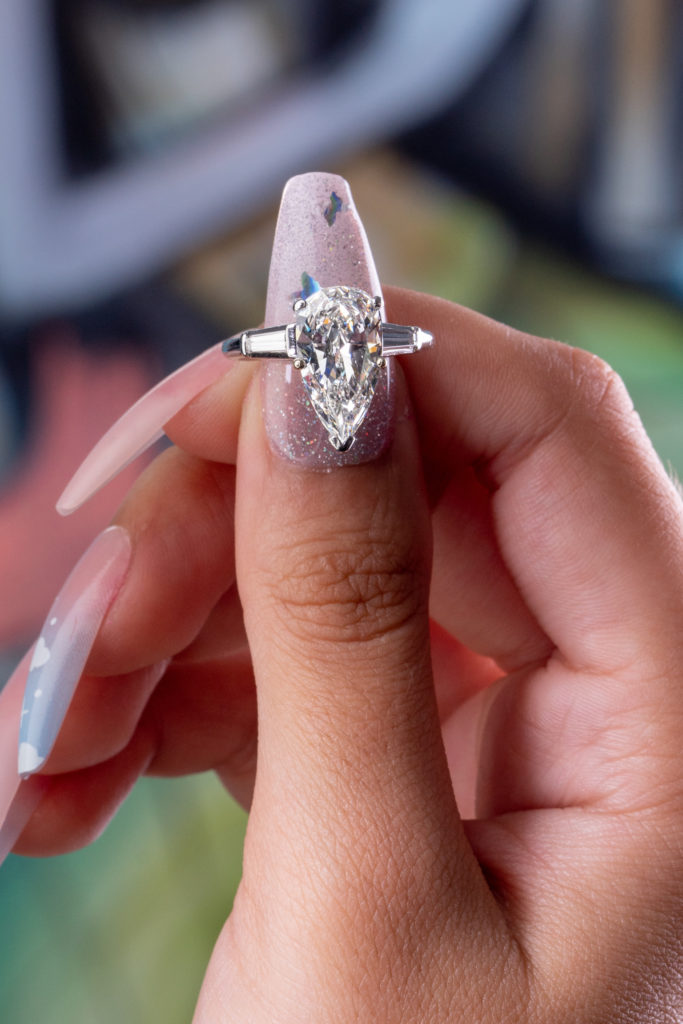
{"x":552,"y":680}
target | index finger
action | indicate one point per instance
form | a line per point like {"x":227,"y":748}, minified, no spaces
{"x":585,"y":516}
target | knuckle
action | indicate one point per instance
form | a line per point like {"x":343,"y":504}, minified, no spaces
{"x":351,"y":587}
{"x":576,"y":393}
{"x":584,"y":392}
{"x":597,"y":389}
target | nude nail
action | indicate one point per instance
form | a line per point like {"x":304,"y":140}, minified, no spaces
{"x":140,"y":426}
{"x":319,"y":241}
{"x":65,"y":641}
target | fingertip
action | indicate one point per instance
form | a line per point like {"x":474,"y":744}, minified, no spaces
{"x":208,"y":425}
{"x":72,"y":810}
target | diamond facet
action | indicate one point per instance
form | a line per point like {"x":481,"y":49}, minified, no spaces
{"x":338,"y":339}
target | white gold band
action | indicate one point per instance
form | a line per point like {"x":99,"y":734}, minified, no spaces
{"x":341,"y":345}
{"x":280,"y":343}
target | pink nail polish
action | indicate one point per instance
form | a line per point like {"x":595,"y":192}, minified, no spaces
{"x":140,"y":426}
{"x":295,"y":432}
{"x":320,"y":241}
{"x":65,"y":641}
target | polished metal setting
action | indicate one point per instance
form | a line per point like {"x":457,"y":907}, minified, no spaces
{"x":278,"y":342}
{"x":340,"y":345}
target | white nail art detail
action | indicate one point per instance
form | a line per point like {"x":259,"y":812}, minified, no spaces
{"x":29,"y":759}
{"x":11,"y":799}
{"x":41,"y":655}
{"x":65,"y":643}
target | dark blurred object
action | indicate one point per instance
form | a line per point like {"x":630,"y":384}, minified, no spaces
{"x":575,"y":128}
{"x":133,"y":131}
{"x":135,"y":76}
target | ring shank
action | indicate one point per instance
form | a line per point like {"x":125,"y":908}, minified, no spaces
{"x":278,"y":342}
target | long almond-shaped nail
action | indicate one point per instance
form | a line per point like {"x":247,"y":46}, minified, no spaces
{"x":320,"y":241}
{"x":10,"y":711}
{"x":140,"y":426}
{"x":18,"y":799}
{"x":65,"y":642}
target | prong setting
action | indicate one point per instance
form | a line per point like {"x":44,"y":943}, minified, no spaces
{"x":342,"y":446}
{"x":339,"y":342}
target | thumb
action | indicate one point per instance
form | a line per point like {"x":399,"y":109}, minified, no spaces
{"x":354,"y":828}
{"x":333,"y":571}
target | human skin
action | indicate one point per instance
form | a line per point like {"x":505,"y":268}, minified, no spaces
{"x":468,"y":803}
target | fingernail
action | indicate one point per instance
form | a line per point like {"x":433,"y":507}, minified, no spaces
{"x":18,"y":799}
{"x":10,"y":712}
{"x":296,"y":433}
{"x":28,"y":796}
{"x":320,"y":241}
{"x":65,"y":642}
{"x":140,"y":426}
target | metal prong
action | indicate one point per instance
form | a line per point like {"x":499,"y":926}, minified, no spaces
{"x":423,"y":339}
{"x":381,"y":362}
{"x":342,"y":446}
{"x":378,"y":301}
{"x":299,"y":305}
{"x":299,"y":364}
{"x":233,"y":346}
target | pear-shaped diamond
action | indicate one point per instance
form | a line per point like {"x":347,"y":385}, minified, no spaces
{"x":338,"y":345}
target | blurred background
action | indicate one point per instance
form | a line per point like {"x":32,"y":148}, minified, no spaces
{"x":520,"y":156}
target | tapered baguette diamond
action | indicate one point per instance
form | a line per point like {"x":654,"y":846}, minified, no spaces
{"x":338,"y":340}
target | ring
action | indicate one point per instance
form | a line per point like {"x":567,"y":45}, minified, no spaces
{"x":340,"y":344}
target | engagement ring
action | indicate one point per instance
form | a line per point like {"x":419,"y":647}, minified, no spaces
{"x":340,"y":344}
